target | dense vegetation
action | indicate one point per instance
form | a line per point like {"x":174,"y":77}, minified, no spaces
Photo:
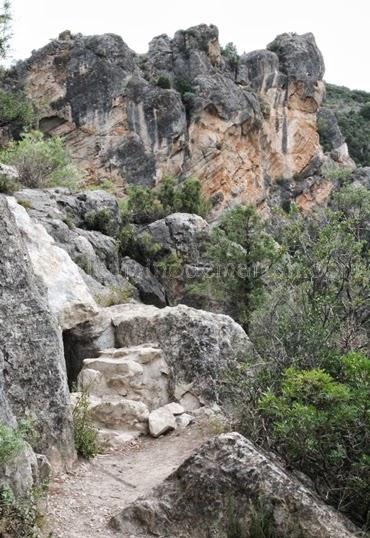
{"x":144,"y":205}
{"x":352,"y":109}
{"x":40,"y":162}
{"x":307,"y":309}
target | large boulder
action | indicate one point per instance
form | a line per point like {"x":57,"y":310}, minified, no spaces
{"x":225,"y":489}
{"x":197,"y":345}
{"x":79,"y":224}
{"x":33,"y":379}
{"x":68,"y":296}
{"x":182,"y":236}
{"x":151,"y":291}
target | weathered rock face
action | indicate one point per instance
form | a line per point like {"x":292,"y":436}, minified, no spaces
{"x":76,"y":222}
{"x":220,"y":489}
{"x":332,"y":138}
{"x":182,"y":237}
{"x":182,"y":109}
{"x":32,"y":371}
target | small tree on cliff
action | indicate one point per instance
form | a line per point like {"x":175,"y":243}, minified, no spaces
{"x":240,"y":252}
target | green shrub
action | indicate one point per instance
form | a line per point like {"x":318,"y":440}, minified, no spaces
{"x":102,"y":221}
{"x":320,"y":425}
{"x":240,"y":252}
{"x":27,"y":204}
{"x":83,"y":261}
{"x":138,"y":246}
{"x":352,"y":111}
{"x":144,"y":205}
{"x":40,"y":162}
{"x":338,"y":173}
{"x":113,"y":296}
{"x":164,"y":82}
{"x":230,"y":53}
{"x":189,"y":198}
{"x":12,"y":442}
{"x":16,"y":110}
{"x":183,"y":86}
{"x":5,"y":30}
{"x":85,"y":433}
{"x":170,"y":266}
{"x":20,"y":517}
{"x":8,"y":185}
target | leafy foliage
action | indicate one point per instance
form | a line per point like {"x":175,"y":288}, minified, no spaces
{"x":20,"y":516}
{"x":40,"y":162}
{"x":164,"y":82}
{"x":240,"y":253}
{"x":139,"y":247}
{"x":318,"y":304}
{"x":230,"y":53}
{"x":321,"y":426}
{"x":352,"y":109}
{"x":145,"y":205}
{"x":85,"y":434}
{"x":307,"y":397}
{"x":17,"y":110}
{"x":8,"y":185}
{"x":5,"y":32}
{"x":12,"y":441}
{"x":101,"y":220}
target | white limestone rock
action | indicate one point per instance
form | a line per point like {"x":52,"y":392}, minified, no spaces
{"x":68,"y":295}
{"x":161,"y":421}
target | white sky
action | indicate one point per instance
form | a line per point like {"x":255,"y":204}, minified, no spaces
{"x":341,"y":27}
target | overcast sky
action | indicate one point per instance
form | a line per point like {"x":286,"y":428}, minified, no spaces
{"x":341,"y":27}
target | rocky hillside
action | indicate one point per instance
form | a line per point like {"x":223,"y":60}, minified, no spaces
{"x":144,"y":315}
{"x":245,"y":126}
{"x":351,"y":109}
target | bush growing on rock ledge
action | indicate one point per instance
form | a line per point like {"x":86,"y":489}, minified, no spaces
{"x":41,"y":162}
{"x":12,"y":442}
{"x":85,"y":434}
{"x":145,"y":205}
{"x":21,"y":516}
{"x":15,"y":111}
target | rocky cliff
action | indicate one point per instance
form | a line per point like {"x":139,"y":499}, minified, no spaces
{"x":246,"y":126}
{"x":32,"y":368}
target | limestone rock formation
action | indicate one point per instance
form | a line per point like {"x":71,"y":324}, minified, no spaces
{"x":151,"y":291}
{"x":129,"y":394}
{"x":247,"y":128}
{"x":225,"y":487}
{"x":82,"y":224}
{"x":183,"y":236}
{"x":197,"y":345}
{"x":32,"y":370}
{"x":68,"y":296}
{"x":332,"y":137}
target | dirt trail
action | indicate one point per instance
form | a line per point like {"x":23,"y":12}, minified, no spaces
{"x":80,"y":504}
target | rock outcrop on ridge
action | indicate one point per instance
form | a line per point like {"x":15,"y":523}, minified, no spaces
{"x":246,"y":126}
{"x":227,"y":488}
